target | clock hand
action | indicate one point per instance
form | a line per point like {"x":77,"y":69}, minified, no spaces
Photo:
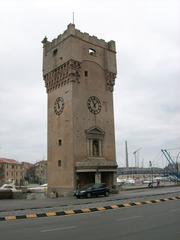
{"x":58,"y":104}
{"x":94,"y":103}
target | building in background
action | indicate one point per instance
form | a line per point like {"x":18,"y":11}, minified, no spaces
{"x":40,"y":172}
{"x":22,"y":173}
{"x":11,"y":171}
{"x":27,"y":170}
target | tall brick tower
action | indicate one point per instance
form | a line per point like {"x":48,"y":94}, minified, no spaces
{"x":79,"y":71}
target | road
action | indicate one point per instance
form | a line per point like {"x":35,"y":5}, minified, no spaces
{"x":152,"y":221}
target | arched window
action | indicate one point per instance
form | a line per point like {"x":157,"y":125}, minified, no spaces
{"x":92,"y":52}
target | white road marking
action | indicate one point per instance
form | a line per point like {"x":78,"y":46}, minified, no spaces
{"x":57,"y":229}
{"x":127,"y":218}
{"x":175,"y":210}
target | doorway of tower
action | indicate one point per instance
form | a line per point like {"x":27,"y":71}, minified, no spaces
{"x":84,"y":178}
{"x":107,"y":178}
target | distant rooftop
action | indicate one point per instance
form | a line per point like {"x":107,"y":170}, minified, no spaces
{"x":42,"y":161}
{"x":7,"y":160}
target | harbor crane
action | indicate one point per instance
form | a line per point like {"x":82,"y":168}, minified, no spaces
{"x":174,"y":164}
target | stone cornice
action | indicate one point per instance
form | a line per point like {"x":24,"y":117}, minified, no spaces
{"x":62,"y":75}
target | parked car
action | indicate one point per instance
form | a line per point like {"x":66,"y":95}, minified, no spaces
{"x":10,"y":186}
{"x":92,"y":190}
{"x":39,"y":188}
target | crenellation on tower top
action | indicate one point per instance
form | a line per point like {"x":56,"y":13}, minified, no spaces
{"x":72,"y":31}
{"x":112,"y":45}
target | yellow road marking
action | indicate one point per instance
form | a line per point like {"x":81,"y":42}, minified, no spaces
{"x":68,"y":212}
{"x":31,"y":215}
{"x":9,"y":218}
{"x":101,"y":209}
{"x":138,"y":203}
{"x":114,"y":206}
{"x":51,"y":214}
{"x":126,"y":204}
{"x":147,"y":201}
{"x":85,"y":210}
{"x":174,"y":198}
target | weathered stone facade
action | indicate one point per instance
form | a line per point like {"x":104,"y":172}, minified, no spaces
{"x":79,"y":71}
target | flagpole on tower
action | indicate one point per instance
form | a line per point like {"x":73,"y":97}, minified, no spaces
{"x":73,"y":17}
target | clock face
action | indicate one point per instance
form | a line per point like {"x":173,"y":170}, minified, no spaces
{"x":59,"y":105}
{"x":94,"y":104}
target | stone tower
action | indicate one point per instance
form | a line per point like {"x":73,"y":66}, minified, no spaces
{"x":79,"y":71}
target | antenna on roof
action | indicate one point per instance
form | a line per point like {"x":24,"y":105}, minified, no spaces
{"x":73,"y":17}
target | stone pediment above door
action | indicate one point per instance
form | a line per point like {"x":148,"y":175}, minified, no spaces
{"x":95,"y":137}
{"x":94,"y":132}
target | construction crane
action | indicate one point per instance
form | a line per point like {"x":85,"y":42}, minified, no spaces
{"x":171,"y":162}
{"x":136,"y":158}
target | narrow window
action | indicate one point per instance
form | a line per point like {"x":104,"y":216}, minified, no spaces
{"x":59,"y":163}
{"x":86,"y":73}
{"x":92,"y":52}
{"x":55,"y":52}
{"x":60,"y":142}
{"x":95,"y":146}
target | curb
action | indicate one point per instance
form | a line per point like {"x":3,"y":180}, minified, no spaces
{"x":85,"y":210}
{"x":146,"y":187}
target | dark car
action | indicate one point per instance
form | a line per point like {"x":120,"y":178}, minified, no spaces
{"x":92,"y":190}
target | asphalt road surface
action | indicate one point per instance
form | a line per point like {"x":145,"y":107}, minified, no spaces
{"x":154,"y":221}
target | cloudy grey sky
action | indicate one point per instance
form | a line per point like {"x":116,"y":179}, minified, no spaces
{"x":147,"y":90}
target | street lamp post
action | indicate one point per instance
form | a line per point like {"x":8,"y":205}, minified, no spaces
{"x":150,"y":165}
{"x":177,"y":166}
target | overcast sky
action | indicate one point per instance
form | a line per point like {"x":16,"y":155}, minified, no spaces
{"x":147,"y":90}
